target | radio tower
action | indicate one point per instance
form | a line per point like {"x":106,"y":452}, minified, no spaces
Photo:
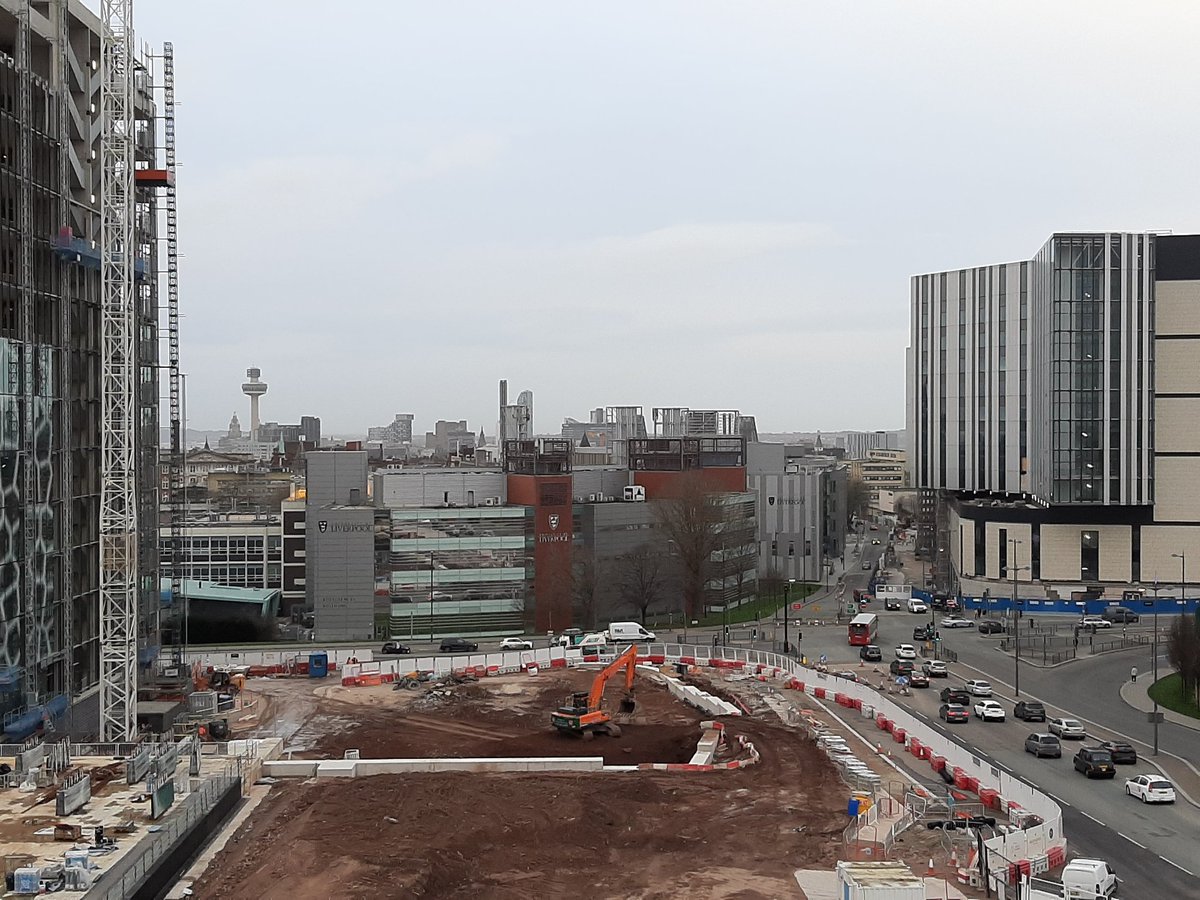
{"x":118,"y":327}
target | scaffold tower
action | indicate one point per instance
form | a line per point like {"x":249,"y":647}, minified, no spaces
{"x":118,"y":493}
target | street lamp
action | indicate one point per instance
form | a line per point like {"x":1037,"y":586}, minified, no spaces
{"x":1182,"y":557}
{"x":1154,"y":666}
{"x":1013,"y":569}
{"x":786,"y":603}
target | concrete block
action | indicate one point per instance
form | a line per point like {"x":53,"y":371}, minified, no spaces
{"x":289,"y":768}
{"x":337,"y":768}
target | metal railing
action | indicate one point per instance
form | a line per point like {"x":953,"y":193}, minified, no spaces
{"x":141,"y":860}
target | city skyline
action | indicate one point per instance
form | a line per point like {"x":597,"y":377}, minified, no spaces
{"x":637,"y":200}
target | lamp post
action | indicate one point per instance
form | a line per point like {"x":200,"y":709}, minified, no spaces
{"x":786,"y":603}
{"x":1154,"y":666}
{"x":431,"y":596}
{"x":1013,"y":569}
{"x":1182,"y":557}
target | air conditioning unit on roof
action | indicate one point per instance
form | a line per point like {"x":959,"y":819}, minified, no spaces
{"x":592,"y":498}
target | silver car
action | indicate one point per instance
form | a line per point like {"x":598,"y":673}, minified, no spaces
{"x":1067,"y":729}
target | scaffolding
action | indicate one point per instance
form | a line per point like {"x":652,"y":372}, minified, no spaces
{"x":118,"y":494}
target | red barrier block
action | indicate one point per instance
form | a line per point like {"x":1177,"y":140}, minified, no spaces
{"x":688,"y":660}
{"x":839,"y":699}
{"x":799,"y":684}
{"x":898,"y":735}
{"x":914,"y":747}
{"x":591,"y":659}
{"x":880,"y":718}
{"x":819,"y":693}
{"x":972,"y":784}
{"x":937,"y":763}
{"x":1056,"y":856}
{"x":558,"y":663}
{"x":990,"y":797}
{"x":960,"y":779}
{"x":856,"y":702}
{"x":657,"y":659}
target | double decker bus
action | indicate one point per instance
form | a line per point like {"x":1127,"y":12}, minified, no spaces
{"x":863,"y":629}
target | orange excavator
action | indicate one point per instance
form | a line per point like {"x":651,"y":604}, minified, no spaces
{"x":581,"y":714}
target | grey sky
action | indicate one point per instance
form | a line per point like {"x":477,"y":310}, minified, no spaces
{"x":390,"y":207}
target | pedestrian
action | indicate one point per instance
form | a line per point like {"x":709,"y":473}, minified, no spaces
{"x":1133,"y":674}
{"x":716,"y":639}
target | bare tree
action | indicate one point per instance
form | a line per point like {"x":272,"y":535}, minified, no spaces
{"x":691,"y":517}
{"x":641,"y":578}
{"x":858,"y":495}
{"x":1183,"y":652}
{"x":584,"y":582}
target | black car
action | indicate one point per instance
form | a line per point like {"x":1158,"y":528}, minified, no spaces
{"x":901,"y":667}
{"x":923,"y":633}
{"x":991,"y":626}
{"x":394,"y":647}
{"x":1095,"y":762}
{"x":953,"y":712}
{"x":1030,"y":711}
{"x":1120,"y":751}
{"x":870,"y":653}
{"x":457,"y":645}
{"x":955,"y":696}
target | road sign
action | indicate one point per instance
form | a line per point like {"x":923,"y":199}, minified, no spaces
{"x":1154,"y":717}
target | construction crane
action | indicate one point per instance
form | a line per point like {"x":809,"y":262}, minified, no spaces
{"x":118,"y":327}
{"x":581,"y":714}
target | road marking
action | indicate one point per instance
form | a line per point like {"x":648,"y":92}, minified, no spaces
{"x":1093,"y":818}
{"x":1178,"y":866}
{"x":1131,"y":840}
{"x":1060,"y":800}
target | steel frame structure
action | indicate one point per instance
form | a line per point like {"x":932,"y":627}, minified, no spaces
{"x":119,"y":586}
{"x":175,"y":466}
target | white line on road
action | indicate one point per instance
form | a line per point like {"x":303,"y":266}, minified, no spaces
{"x":1131,"y":840}
{"x":1178,"y":866}
{"x":1093,"y":818}
{"x":1060,"y":800}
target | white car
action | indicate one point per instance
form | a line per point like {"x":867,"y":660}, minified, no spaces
{"x":956,"y":622}
{"x":977,"y":688}
{"x":1150,"y":789}
{"x":1067,"y":728}
{"x":989,"y":711}
{"x":935,"y":668}
{"x":906,"y":651}
{"x":516,"y":644}
{"x":1094,"y":622}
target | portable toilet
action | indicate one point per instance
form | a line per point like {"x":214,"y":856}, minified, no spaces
{"x":318,"y":665}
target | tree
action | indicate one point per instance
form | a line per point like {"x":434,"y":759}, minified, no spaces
{"x":641,"y":578}
{"x":858,"y":495}
{"x":691,"y":517}
{"x":583,"y":588}
{"x":1183,"y":653}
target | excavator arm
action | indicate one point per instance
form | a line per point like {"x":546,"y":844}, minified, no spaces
{"x":626,"y":661}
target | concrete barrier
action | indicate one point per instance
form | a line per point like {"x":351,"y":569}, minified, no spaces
{"x":361,"y":768}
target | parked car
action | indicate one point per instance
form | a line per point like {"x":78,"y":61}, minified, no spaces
{"x":1094,"y":622}
{"x":953,"y":712}
{"x":901,"y":667}
{"x":1095,"y":762}
{"x":870,"y":653}
{"x":457,"y":645}
{"x":1030,"y":711}
{"x":392,"y":648}
{"x":989,"y":711}
{"x":956,"y":622}
{"x":1150,"y":789}
{"x":1120,"y":751}
{"x":955,"y":695}
{"x":906,"y":651}
{"x":1121,"y":614}
{"x":917,"y":606}
{"x":1067,"y":729}
{"x":1043,"y":745}
{"x":512,"y":643}
{"x":891,"y":603}
{"x":990,"y":626}
{"x":935,"y":668}
{"x":917,"y":678}
{"x":978,"y":688}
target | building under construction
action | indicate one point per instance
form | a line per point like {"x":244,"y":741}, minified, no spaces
{"x":78,"y":360}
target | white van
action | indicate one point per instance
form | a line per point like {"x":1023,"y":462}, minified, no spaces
{"x":1088,"y":878}
{"x":916,"y":605}
{"x":630,"y":633}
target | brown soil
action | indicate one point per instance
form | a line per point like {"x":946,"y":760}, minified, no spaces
{"x":448,"y":835}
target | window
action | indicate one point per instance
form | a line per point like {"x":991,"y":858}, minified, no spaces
{"x":1004,"y":573}
{"x":1089,"y":555}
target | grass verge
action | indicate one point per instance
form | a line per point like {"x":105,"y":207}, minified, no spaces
{"x":1168,"y":692}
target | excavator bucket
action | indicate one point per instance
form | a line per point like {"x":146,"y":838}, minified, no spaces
{"x":628,"y":704}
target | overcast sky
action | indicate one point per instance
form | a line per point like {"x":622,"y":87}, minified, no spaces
{"x":705,"y":204}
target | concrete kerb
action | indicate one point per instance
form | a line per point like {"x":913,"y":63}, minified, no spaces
{"x":1137,"y":695}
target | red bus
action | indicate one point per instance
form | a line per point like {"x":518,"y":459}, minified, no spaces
{"x":863,"y":628}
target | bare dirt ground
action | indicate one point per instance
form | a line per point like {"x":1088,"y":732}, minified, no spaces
{"x":645,"y":835}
